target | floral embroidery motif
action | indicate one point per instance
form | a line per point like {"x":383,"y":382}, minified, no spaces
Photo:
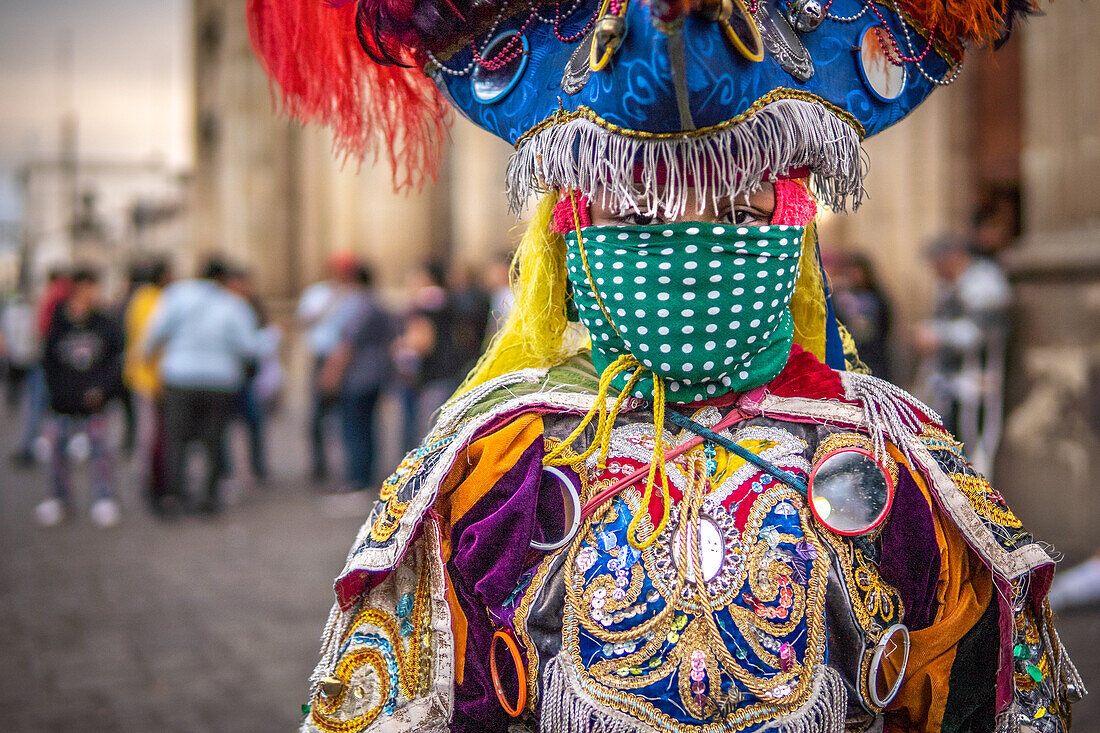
{"x":384,"y":656}
{"x":720,"y":624}
{"x":388,"y":512}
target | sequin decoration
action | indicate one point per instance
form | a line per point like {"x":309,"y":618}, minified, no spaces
{"x":383,"y":658}
{"x":720,"y":623}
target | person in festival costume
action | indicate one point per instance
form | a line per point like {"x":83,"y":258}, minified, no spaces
{"x":666,"y":499}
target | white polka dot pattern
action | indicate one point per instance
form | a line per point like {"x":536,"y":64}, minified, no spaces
{"x":700,"y":275}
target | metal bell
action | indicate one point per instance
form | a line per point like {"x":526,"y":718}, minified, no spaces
{"x":806,"y":15}
{"x":716,"y":11}
{"x":331,"y":687}
{"x":610,"y":30}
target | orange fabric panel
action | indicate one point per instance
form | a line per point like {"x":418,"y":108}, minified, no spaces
{"x":478,"y":469}
{"x":964,"y":591}
{"x":458,"y":628}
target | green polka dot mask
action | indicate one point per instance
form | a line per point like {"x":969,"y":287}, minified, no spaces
{"x":702,"y":306}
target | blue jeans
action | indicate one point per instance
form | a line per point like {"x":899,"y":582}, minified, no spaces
{"x":357,"y":412}
{"x":36,"y":402}
{"x":61,"y":431}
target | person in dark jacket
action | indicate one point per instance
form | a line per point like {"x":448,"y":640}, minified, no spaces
{"x":82,"y":363}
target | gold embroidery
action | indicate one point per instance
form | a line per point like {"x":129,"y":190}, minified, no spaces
{"x":612,"y":677}
{"x":410,"y":664}
{"x":987,"y":502}
{"x":936,"y":438}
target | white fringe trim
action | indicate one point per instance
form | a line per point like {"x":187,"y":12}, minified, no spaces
{"x":825,"y":711}
{"x":780,"y":136}
{"x":566,"y":708}
{"x":888,"y":409}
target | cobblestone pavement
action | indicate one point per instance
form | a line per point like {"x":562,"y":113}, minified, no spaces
{"x":198,"y":625}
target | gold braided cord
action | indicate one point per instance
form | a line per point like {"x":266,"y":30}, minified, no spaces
{"x":657,"y":474}
{"x":582,"y":112}
{"x":606,"y":419}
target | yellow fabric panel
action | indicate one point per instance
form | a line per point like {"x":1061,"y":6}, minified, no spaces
{"x":141,"y":375}
{"x":964,"y":591}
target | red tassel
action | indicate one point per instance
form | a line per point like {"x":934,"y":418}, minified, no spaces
{"x":310,"y":49}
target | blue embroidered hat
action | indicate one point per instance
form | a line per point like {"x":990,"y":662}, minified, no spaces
{"x":633,"y":100}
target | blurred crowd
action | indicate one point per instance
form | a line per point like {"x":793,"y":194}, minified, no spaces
{"x":181,"y":360}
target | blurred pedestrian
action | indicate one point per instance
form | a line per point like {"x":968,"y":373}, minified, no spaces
{"x":862,"y":307}
{"x":498,"y":280}
{"x":207,"y":337}
{"x":356,"y":372}
{"x":429,"y":333}
{"x":137,"y":276}
{"x":263,"y":377}
{"x":19,"y":346}
{"x":142,"y":377}
{"x":82,"y":365}
{"x":58,"y":285}
{"x":964,"y":345}
{"x":320,"y":312}
{"x":470,"y":310}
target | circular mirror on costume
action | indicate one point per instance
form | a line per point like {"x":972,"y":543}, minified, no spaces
{"x":850,"y":491}
{"x":888,"y":662}
{"x":491,"y":85}
{"x":882,"y":74}
{"x":565,"y":519}
{"x":712,"y":552}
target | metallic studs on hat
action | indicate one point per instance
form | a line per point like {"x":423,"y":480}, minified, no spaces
{"x":806,"y":15}
{"x":782,"y":43}
{"x":577,"y":69}
{"x":609,"y":35}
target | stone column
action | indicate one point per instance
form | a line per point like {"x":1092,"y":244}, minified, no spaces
{"x":1050,"y":455}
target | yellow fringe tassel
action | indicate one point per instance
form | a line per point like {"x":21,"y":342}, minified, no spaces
{"x":808,"y":301}
{"x":534,"y":334}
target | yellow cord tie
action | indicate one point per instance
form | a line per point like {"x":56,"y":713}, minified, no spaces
{"x":657,"y":475}
{"x":606,"y":420}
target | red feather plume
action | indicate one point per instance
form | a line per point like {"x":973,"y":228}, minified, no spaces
{"x":311,"y":50}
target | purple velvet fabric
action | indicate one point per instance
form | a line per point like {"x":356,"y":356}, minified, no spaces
{"x":910,"y":559}
{"x":491,"y":553}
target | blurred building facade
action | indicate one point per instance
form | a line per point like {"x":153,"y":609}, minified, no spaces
{"x":1051,"y":451}
{"x":271,"y":194}
{"x":104,"y":213}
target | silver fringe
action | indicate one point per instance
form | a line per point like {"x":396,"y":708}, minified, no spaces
{"x":888,"y":409}
{"x":335,"y":628}
{"x":825,"y":711}
{"x":781,"y":136}
{"x":566,"y":708}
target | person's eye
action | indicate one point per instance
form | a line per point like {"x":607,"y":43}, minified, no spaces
{"x":748,"y":216}
{"x":635,"y":219}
